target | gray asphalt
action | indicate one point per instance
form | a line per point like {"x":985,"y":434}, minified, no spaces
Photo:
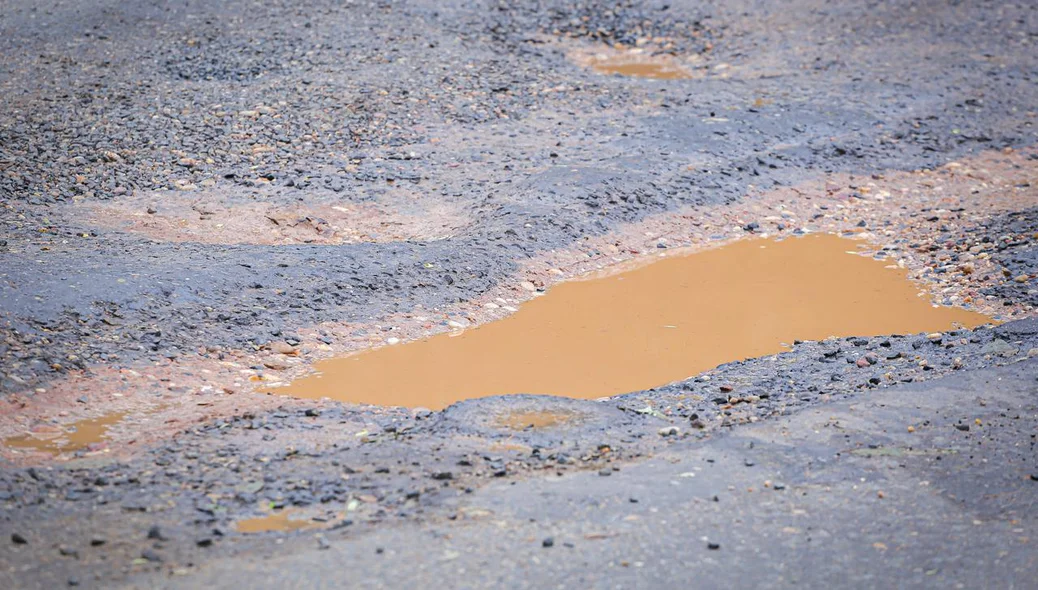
{"x":476,"y":104}
{"x":842,"y":495}
{"x":447,"y":102}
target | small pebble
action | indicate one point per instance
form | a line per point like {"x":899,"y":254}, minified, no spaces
{"x":275,"y":364}
{"x":284,"y":348}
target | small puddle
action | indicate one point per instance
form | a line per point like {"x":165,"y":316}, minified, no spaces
{"x":656,"y":324}
{"x":640,"y":69}
{"x":524,"y":420}
{"x":277,"y":521}
{"x":66,"y":439}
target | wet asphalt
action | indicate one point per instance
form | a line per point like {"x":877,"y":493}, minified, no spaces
{"x":476,"y":104}
{"x":916,"y":486}
{"x":472,"y":104}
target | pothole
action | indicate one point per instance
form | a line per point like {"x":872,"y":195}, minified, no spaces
{"x":647,"y":326}
{"x":640,"y":68}
{"x":535,"y":420}
{"x":530,"y":420}
{"x":636,"y":62}
{"x":280,"y":521}
{"x":82,"y":435}
{"x":180,"y":218}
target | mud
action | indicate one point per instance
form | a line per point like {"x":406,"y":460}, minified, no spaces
{"x":216,"y":220}
{"x":524,"y":420}
{"x":278,"y":521}
{"x":82,"y":435}
{"x":635,"y":63}
{"x":649,"y":60}
{"x":640,"y":70}
{"x":646,"y":327}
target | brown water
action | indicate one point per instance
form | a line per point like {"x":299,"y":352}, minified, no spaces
{"x":66,"y":439}
{"x":659,"y":71}
{"x":655,"y":324}
{"x":277,"y":521}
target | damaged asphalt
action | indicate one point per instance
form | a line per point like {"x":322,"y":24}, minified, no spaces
{"x":142,"y":108}
{"x":117,"y":106}
{"x":845,"y":494}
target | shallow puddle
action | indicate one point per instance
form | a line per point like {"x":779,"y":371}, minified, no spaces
{"x":640,"y":69}
{"x":658,"y":323}
{"x":66,"y":439}
{"x":524,"y":420}
{"x":277,"y":521}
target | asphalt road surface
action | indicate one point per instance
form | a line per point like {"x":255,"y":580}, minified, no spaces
{"x":199,"y":201}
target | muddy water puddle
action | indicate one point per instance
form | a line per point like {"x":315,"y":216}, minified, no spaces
{"x":633,"y":62}
{"x":81,"y":435}
{"x":640,"y":69}
{"x":648,"y":326}
{"x":277,"y":521}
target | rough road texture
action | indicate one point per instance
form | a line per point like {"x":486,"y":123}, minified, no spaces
{"x":838,"y":495}
{"x":186,"y":187}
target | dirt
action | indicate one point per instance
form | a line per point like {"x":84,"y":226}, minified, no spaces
{"x":215,"y":220}
{"x":638,"y":62}
{"x":86,"y":435}
{"x":278,"y":521}
{"x":641,"y":70}
{"x":328,"y":177}
{"x":524,"y":420}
